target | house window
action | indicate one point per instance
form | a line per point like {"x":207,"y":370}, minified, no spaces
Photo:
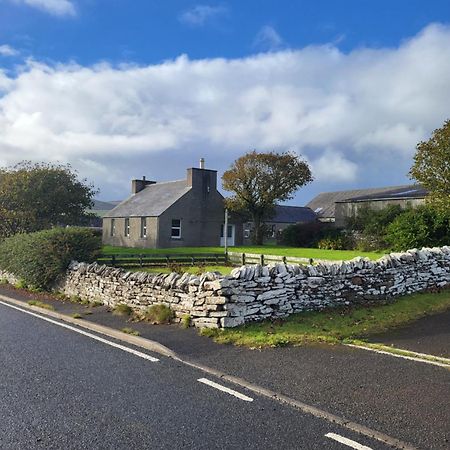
{"x":113,"y":227}
{"x":230,"y":231}
{"x":143,"y":227}
{"x":176,"y":229}
{"x":127,"y":227}
{"x":246,"y":233}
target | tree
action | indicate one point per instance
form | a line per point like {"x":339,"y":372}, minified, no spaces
{"x":431,"y":167}
{"x":38,"y":196}
{"x":259,"y":180}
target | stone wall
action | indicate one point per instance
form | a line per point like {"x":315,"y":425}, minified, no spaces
{"x":261,"y":292}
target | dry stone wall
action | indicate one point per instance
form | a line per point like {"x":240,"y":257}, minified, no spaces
{"x":258,"y":292}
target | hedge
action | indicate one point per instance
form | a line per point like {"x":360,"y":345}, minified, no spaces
{"x":39,"y":258}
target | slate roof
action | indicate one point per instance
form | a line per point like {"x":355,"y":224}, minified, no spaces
{"x":293,"y":214}
{"x":323,"y":204}
{"x":152,"y":201}
{"x":406,"y":192}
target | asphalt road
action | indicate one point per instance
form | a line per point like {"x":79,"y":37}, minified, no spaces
{"x":60,"y":389}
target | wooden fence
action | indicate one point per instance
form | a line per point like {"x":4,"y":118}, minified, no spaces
{"x":255,"y":258}
{"x":148,"y":260}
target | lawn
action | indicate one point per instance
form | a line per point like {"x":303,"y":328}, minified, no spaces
{"x":314,"y":253}
{"x":334,"y":326}
{"x":195,"y":270}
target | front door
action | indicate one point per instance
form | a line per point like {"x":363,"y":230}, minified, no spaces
{"x":230,"y":236}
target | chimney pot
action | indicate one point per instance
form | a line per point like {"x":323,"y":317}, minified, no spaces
{"x":202,"y":163}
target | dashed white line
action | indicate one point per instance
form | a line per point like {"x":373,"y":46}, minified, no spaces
{"x":84,"y":333}
{"x":225,"y":389}
{"x":346,"y":441}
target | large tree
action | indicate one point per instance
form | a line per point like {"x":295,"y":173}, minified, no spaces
{"x":38,"y":196}
{"x":431,"y":167}
{"x":260,"y":180}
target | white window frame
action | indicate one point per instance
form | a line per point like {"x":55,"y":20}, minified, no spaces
{"x":113,"y":228}
{"x":143,"y":227}
{"x":173,"y":227}
{"x":127,"y":227}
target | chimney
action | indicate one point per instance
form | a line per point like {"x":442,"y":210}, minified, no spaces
{"x":139,"y":185}
{"x":202,"y":163}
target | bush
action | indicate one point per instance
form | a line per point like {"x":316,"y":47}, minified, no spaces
{"x":420,"y":227}
{"x":302,"y":234}
{"x":122,"y":310}
{"x":158,"y":314}
{"x":39,"y":258}
{"x":341,"y":242}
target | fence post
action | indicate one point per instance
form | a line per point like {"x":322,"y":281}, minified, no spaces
{"x":226,"y":258}
{"x":243,"y":259}
{"x":262,"y":259}
{"x":311,"y":261}
{"x":113,"y":260}
{"x":284,"y":259}
{"x":140,"y":260}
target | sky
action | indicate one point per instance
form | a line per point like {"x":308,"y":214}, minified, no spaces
{"x":125,"y":88}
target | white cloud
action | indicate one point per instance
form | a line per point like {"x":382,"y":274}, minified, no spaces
{"x":200,"y":14}
{"x":7,"y":50}
{"x":268,"y":39}
{"x":55,"y":7}
{"x":356,"y":116}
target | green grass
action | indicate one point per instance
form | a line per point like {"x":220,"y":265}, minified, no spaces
{"x":41,"y":305}
{"x":315,"y":253}
{"x":122,"y":310}
{"x":77,"y":316}
{"x":334,"y":326}
{"x":224,"y":270}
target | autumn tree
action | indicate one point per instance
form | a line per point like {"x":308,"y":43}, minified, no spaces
{"x":38,"y":196}
{"x":260,"y":180}
{"x":431,"y":167}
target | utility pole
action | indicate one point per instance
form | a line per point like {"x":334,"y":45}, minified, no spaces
{"x":225,"y":231}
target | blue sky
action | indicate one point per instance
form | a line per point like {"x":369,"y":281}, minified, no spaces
{"x":125,"y":88}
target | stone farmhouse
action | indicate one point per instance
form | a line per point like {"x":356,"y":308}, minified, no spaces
{"x":336,"y":207}
{"x":184,"y":213}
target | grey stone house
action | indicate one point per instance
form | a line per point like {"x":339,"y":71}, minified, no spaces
{"x":184,"y":213}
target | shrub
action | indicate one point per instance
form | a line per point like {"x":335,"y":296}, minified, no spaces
{"x":302,"y":234}
{"x":39,"y":258}
{"x":420,"y":227}
{"x":158,"y":314}
{"x":176,"y":268}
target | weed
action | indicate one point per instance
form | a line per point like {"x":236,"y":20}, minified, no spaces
{"x":130,"y":331}
{"x":177,"y":268}
{"x":20,"y":284}
{"x":41,"y":304}
{"x":3,"y":281}
{"x":186,"y":320}
{"x":77,"y":316}
{"x":87,"y":313}
{"x":122,"y":310}
{"x":158,"y":314}
{"x":75,"y":298}
{"x":96,"y":303}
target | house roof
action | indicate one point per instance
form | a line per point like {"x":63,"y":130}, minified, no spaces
{"x":293,"y":214}
{"x":406,"y":192}
{"x":152,"y":201}
{"x":323,"y":204}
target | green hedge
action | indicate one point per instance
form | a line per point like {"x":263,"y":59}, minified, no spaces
{"x":39,"y":258}
{"x":423,"y":226}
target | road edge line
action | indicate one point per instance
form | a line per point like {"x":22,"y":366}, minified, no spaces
{"x":417,"y":356}
{"x":147,"y":344}
{"x":165,"y":351}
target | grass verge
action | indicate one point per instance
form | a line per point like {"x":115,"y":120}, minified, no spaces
{"x":195,"y":270}
{"x":334,"y":325}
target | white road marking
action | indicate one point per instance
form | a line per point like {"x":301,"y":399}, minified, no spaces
{"x":225,"y":389}
{"x":346,"y":441}
{"x":85,"y":333}
{"x":445,"y":361}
